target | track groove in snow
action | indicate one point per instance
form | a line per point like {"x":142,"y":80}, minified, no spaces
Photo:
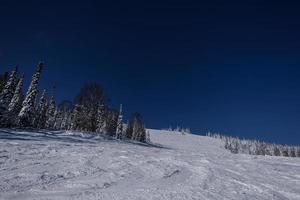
{"x":66,"y":165}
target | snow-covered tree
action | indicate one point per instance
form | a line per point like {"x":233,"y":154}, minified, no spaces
{"x":64,"y":115}
{"x":276,"y":151}
{"x":26,"y":114}
{"x":8,"y":91}
{"x":90,"y":97}
{"x":111,"y":119}
{"x":119,"y":130}
{"x":41,"y":113}
{"x":129,"y":130}
{"x":136,"y":130}
{"x":66,"y":121}
{"x":101,"y":119}
{"x":15,"y":104}
{"x":51,"y":113}
{"x":3,"y":80}
{"x":148,"y":139}
{"x":298,"y":151}
{"x":76,"y":118}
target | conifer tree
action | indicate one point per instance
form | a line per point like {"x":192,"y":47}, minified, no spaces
{"x":58,"y":119}
{"x":40,"y":118}
{"x":51,"y":113}
{"x":136,"y":128}
{"x":148,"y":140}
{"x":8,"y":91}
{"x":76,"y":117}
{"x":3,"y":80}
{"x":65,"y":123}
{"x":101,"y":119}
{"x":15,"y":104}
{"x":119,"y":124}
{"x":26,"y":114}
{"x":129,"y":130}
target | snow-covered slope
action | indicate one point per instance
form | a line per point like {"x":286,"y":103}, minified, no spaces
{"x":64,"y":165}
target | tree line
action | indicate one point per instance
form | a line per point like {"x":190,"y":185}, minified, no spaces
{"x":89,"y":111}
{"x":255,"y":147}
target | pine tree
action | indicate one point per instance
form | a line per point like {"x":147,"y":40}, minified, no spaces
{"x":111,"y":119}
{"x":298,"y":151}
{"x":65,"y":124}
{"x":276,"y":151}
{"x":8,"y":91}
{"x":26,"y":114}
{"x":3,"y":80}
{"x":292,"y":152}
{"x":129,"y":130}
{"x":51,"y":113}
{"x":138,"y":129}
{"x":76,"y":117}
{"x":40,"y":118}
{"x":148,"y":140}
{"x":101,"y":119}
{"x":15,"y":104}
{"x":58,"y":119}
{"x":119,"y":124}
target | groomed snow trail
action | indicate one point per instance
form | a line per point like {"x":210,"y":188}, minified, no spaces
{"x":65,"y":165}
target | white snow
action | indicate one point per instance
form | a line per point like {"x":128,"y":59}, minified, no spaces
{"x":66,"y":165}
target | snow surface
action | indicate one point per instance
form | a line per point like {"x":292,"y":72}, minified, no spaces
{"x":65,"y":165}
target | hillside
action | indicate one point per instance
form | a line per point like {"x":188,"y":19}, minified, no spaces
{"x":66,"y":165}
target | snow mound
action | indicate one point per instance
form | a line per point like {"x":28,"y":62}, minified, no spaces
{"x":69,"y":165}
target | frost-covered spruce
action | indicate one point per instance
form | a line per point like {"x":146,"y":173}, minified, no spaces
{"x":40,"y":118}
{"x":17,"y":97}
{"x":3,"y":80}
{"x":8,"y":91}
{"x":138,"y":128}
{"x":101,"y":119}
{"x":75,"y":121}
{"x":15,"y":104}
{"x":65,"y":123}
{"x":119,"y":129}
{"x":51,"y":113}
{"x":148,"y":140}
{"x":27,"y":112}
{"x":58,"y":119}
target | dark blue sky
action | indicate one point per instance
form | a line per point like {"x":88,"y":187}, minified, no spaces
{"x":227,"y":66}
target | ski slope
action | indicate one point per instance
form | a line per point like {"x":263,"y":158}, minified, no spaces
{"x":65,"y":165}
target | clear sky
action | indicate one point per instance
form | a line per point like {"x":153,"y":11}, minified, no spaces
{"x":226,"y":66}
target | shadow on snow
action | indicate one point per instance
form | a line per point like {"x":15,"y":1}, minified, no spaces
{"x":64,"y":136}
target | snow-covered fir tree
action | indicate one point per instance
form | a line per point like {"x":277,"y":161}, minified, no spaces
{"x":51,"y":113}
{"x":58,"y":119}
{"x":136,"y":128}
{"x":148,"y":139}
{"x":15,"y":104}
{"x":111,"y":119}
{"x":41,"y":113}
{"x":3,"y":80}
{"x":101,"y":119}
{"x":66,"y":121}
{"x":64,"y":115}
{"x":119,"y":130}
{"x":27,"y":112}
{"x":129,"y":130}
{"x":76,"y":117}
{"x":8,"y":91}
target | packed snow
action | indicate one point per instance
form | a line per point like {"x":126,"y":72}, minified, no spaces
{"x":66,"y":165}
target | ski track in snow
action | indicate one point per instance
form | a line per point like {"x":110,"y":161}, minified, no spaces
{"x":65,"y":165}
